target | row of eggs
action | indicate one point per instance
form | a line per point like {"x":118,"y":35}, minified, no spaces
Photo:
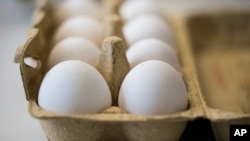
{"x":93,"y":29}
{"x":128,"y":10}
{"x":72,"y":84}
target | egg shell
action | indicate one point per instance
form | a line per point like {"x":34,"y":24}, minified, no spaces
{"x":74,"y":87}
{"x":69,"y":8}
{"x":147,"y":26}
{"x":152,"y":49}
{"x":153,"y":88}
{"x":131,"y":9}
{"x":74,"y":48}
{"x":83,"y":26}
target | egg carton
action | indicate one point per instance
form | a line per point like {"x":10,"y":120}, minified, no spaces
{"x":211,"y":39}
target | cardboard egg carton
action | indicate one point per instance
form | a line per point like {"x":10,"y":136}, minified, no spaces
{"x":211,"y":39}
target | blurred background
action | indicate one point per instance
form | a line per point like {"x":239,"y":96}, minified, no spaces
{"x":15,"y":121}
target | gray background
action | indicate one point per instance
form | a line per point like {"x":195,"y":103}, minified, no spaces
{"x":15,"y":122}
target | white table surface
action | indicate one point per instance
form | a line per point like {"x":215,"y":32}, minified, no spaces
{"x":15,"y":122}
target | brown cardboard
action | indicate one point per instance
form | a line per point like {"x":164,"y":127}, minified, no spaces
{"x":111,"y":6}
{"x":113,"y":27}
{"x":188,"y":22}
{"x":219,"y":40}
{"x":113,"y":65}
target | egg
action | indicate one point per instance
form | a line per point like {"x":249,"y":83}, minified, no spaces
{"x":74,"y":87}
{"x":68,"y":8}
{"x":131,"y":9}
{"x":147,"y":26}
{"x":74,"y":48}
{"x":153,"y":88}
{"x":83,"y":26}
{"x":152,"y":49}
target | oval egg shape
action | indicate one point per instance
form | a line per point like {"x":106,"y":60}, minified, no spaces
{"x":83,"y":26}
{"x":68,"y":8}
{"x":153,"y":88}
{"x":147,"y":26}
{"x":152,"y":49}
{"x":74,"y":48}
{"x":131,"y":9}
{"x":74,"y":87}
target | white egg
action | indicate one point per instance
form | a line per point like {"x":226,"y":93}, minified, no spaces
{"x":151,"y":49}
{"x":83,"y":26}
{"x":74,"y":48}
{"x":69,"y":8}
{"x":147,"y":26}
{"x":131,"y":9}
{"x":74,"y":87}
{"x":153,"y":88}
